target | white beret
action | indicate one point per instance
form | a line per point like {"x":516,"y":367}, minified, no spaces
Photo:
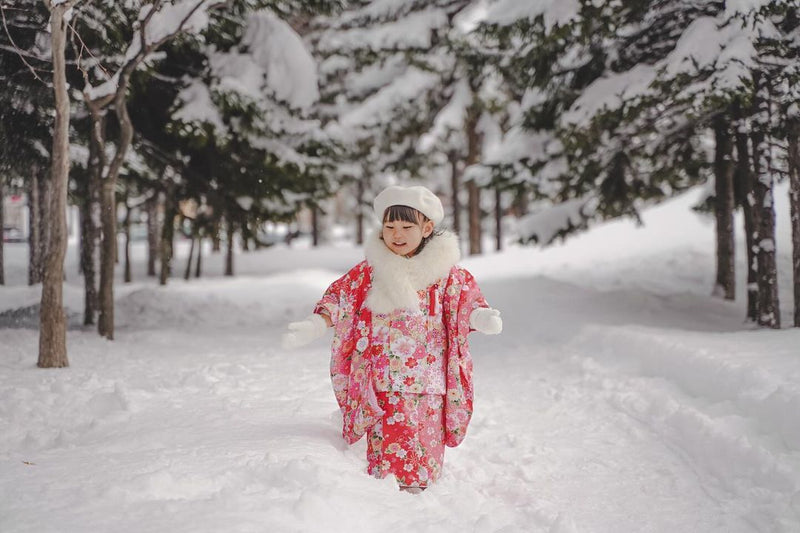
{"x":418,"y":197}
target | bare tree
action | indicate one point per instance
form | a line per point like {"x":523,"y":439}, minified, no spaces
{"x":52,"y":320}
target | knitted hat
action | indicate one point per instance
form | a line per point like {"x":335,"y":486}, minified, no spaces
{"x":418,"y":197}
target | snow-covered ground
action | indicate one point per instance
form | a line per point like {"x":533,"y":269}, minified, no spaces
{"x":620,"y":397}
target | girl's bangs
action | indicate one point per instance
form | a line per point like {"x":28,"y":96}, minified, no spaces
{"x":403,"y":213}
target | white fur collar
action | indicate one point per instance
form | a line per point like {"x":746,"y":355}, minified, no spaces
{"x":396,"y":279}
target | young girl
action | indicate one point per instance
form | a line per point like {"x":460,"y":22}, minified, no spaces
{"x":400,"y":364}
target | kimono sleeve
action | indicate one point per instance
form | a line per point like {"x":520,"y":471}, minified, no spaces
{"x":471,"y":296}
{"x":337,"y":302}
{"x":462,"y":296}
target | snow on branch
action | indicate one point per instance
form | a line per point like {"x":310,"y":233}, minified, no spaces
{"x":554,"y":12}
{"x":413,"y":31}
{"x":379,"y":108}
{"x":546,"y":225}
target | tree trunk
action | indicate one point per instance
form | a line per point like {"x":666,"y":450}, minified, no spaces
{"x":216,"y":242}
{"x":167,"y":236}
{"x":794,"y":201}
{"x":768,"y":304}
{"x":498,"y":219}
{"x":2,"y":268}
{"x":152,"y":234}
{"x":455,"y":189}
{"x":52,"y":320}
{"x":35,"y":238}
{"x":109,"y":220}
{"x":87,"y":257}
{"x":314,"y":226}
{"x":127,"y":226}
{"x":198,"y":269}
{"x":187,"y":273}
{"x":744,"y":185}
{"x":90,"y":227}
{"x":229,"y":253}
{"x":245,"y":231}
{"x":723,"y":177}
{"x":474,"y":202}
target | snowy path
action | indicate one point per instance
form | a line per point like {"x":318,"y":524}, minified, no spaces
{"x":587,"y":419}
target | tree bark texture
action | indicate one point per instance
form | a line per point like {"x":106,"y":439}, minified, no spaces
{"x":127,"y":225}
{"x":108,"y":222}
{"x":794,"y":201}
{"x":90,"y":223}
{"x":108,"y":250}
{"x":474,"y":201}
{"x":52,"y":320}
{"x":167,"y":236}
{"x":2,"y":268}
{"x":768,"y":304}
{"x":36,"y":208}
{"x":723,"y":177}
{"x":744,"y":185}
{"x":152,"y":234}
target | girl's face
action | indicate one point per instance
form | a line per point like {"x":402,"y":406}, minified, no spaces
{"x":403,"y":237}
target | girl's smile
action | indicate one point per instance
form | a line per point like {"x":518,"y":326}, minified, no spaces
{"x":403,"y":238}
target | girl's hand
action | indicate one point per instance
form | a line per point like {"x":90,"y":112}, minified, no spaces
{"x":305,"y":331}
{"x":486,"y":320}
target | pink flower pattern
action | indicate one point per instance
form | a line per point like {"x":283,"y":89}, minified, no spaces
{"x":408,"y":441}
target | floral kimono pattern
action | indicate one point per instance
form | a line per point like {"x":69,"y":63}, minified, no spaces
{"x":408,"y":441}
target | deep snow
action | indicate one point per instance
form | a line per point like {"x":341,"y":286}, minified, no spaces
{"x":620,"y":397}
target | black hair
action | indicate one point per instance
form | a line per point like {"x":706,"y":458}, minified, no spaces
{"x":404,"y":213}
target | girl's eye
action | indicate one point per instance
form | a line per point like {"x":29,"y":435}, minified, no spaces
{"x":406,"y":227}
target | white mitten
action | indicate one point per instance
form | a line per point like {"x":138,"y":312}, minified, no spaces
{"x":486,"y":320}
{"x":303,"y":332}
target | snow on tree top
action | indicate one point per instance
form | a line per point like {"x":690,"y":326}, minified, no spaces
{"x":413,"y":31}
{"x":554,"y":12}
{"x":289,"y":69}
